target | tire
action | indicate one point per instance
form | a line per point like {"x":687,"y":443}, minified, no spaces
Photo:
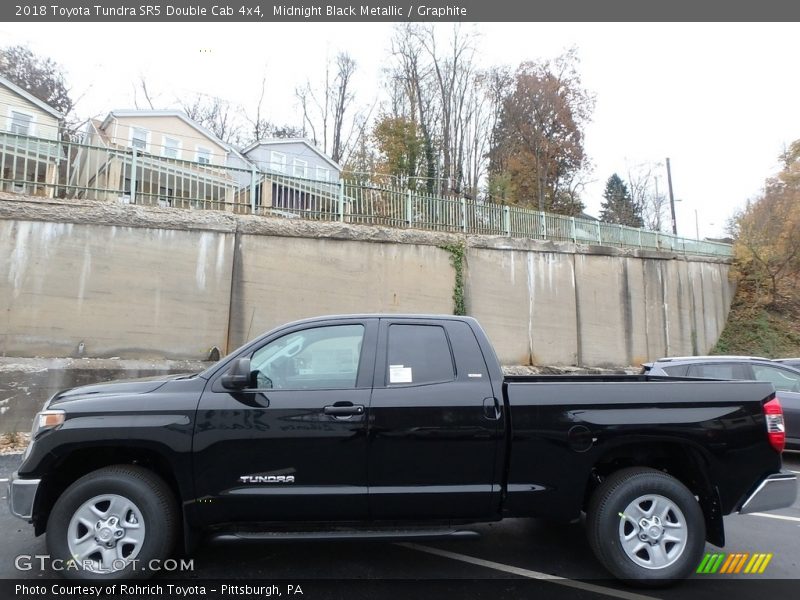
{"x":646,"y":527}
{"x":111,"y":523}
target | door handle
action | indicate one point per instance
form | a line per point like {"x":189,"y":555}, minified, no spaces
{"x":344,"y":410}
{"x":491,"y":409}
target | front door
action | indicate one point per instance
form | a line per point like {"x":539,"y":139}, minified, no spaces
{"x":293,"y":445}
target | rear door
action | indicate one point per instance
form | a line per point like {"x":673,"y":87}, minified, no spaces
{"x":435,"y":427}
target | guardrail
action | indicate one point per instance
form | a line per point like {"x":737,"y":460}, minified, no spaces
{"x":52,"y":168}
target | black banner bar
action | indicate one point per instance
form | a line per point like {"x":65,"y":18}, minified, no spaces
{"x":733,"y":588}
{"x":256,"y":11}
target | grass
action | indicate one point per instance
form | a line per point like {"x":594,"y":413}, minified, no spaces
{"x":757,"y":329}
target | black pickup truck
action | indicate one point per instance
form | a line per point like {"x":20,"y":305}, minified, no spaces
{"x":387,"y":426}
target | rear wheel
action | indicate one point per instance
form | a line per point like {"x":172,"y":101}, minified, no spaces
{"x":111,"y":523}
{"x":646,"y":527}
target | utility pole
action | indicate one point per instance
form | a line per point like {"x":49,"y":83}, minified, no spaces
{"x":671,"y":200}
{"x":696,"y":225}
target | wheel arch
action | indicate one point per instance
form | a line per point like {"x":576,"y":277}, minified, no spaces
{"x":687,"y":462}
{"x":70,"y":467}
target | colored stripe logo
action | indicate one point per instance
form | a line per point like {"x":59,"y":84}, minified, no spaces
{"x":733,"y":563}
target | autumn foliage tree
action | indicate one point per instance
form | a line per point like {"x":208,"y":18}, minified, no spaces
{"x":767,"y":232}
{"x":400,"y":146}
{"x":538,"y":151}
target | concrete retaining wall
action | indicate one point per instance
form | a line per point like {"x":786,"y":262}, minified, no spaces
{"x":26,"y":383}
{"x":281,"y":279}
{"x":106,"y":280}
{"x":595,"y":306}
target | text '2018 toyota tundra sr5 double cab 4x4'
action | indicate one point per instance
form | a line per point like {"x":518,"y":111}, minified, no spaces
{"x":394,"y":427}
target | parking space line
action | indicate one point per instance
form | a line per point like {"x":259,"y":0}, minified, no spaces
{"x":781,"y":517}
{"x":3,"y":480}
{"x":790,"y":471}
{"x":597,"y":589}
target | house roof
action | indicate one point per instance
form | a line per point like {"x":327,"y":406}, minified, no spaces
{"x":304,"y":141}
{"x":239,"y":155}
{"x":165,"y":113}
{"x":30,"y":98}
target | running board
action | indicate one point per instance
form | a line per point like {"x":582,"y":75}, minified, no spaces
{"x":354,"y":534}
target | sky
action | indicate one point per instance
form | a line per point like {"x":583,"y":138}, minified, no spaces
{"x":720,"y":100}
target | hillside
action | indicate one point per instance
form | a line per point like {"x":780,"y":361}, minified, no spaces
{"x":758,"y":328}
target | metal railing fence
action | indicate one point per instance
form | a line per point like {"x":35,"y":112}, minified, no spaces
{"x":59,"y":169}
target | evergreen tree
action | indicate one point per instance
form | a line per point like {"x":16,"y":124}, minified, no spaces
{"x":618,"y":206}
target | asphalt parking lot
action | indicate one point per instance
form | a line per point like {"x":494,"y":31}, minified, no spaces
{"x":513,"y":550}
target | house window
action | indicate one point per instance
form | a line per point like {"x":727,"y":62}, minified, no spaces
{"x":203,"y":156}
{"x":300,"y":168}
{"x":139,"y":138}
{"x":21,"y":123}
{"x":171,"y":147}
{"x":323,"y":174}
{"x":277,"y":162}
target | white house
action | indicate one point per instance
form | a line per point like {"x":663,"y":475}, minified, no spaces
{"x":29,"y":134}
{"x":297,"y":176}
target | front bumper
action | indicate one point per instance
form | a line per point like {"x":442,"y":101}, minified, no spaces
{"x":775,"y":491}
{"x":21,"y":496}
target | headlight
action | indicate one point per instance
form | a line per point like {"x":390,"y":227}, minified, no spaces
{"x":47,"y":419}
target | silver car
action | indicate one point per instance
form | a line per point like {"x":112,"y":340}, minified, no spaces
{"x":751,"y":368}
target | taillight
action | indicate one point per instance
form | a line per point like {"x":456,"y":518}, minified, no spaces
{"x":776,"y":431}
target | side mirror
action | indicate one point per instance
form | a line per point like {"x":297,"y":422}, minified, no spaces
{"x":238,"y":377}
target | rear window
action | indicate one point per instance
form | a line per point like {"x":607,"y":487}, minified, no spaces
{"x":418,"y":354}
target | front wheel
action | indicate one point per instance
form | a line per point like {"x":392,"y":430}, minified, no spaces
{"x":646,"y":527}
{"x":111,"y":523}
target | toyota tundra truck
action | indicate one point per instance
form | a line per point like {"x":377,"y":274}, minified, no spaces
{"x":395,"y":427}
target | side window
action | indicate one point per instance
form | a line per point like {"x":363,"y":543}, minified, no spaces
{"x":418,"y":354}
{"x":676,"y":371}
{"x":316,"y":359}
{"x":784,"y":381}
{"x":729,"y":370}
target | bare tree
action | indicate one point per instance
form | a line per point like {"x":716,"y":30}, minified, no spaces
{"x":643,"y":187}
{"x":478,"y":121}
{"x":328,"y":112}
{"x":342,"y":100}
{"x":219,"y":116}
{"x":453,"y":71}
{"x":142,"y":86}
{"x":259,"y":125}
{"x":412,"y":75}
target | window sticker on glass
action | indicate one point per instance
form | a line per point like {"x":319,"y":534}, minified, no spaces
{"x":400,"y":374}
